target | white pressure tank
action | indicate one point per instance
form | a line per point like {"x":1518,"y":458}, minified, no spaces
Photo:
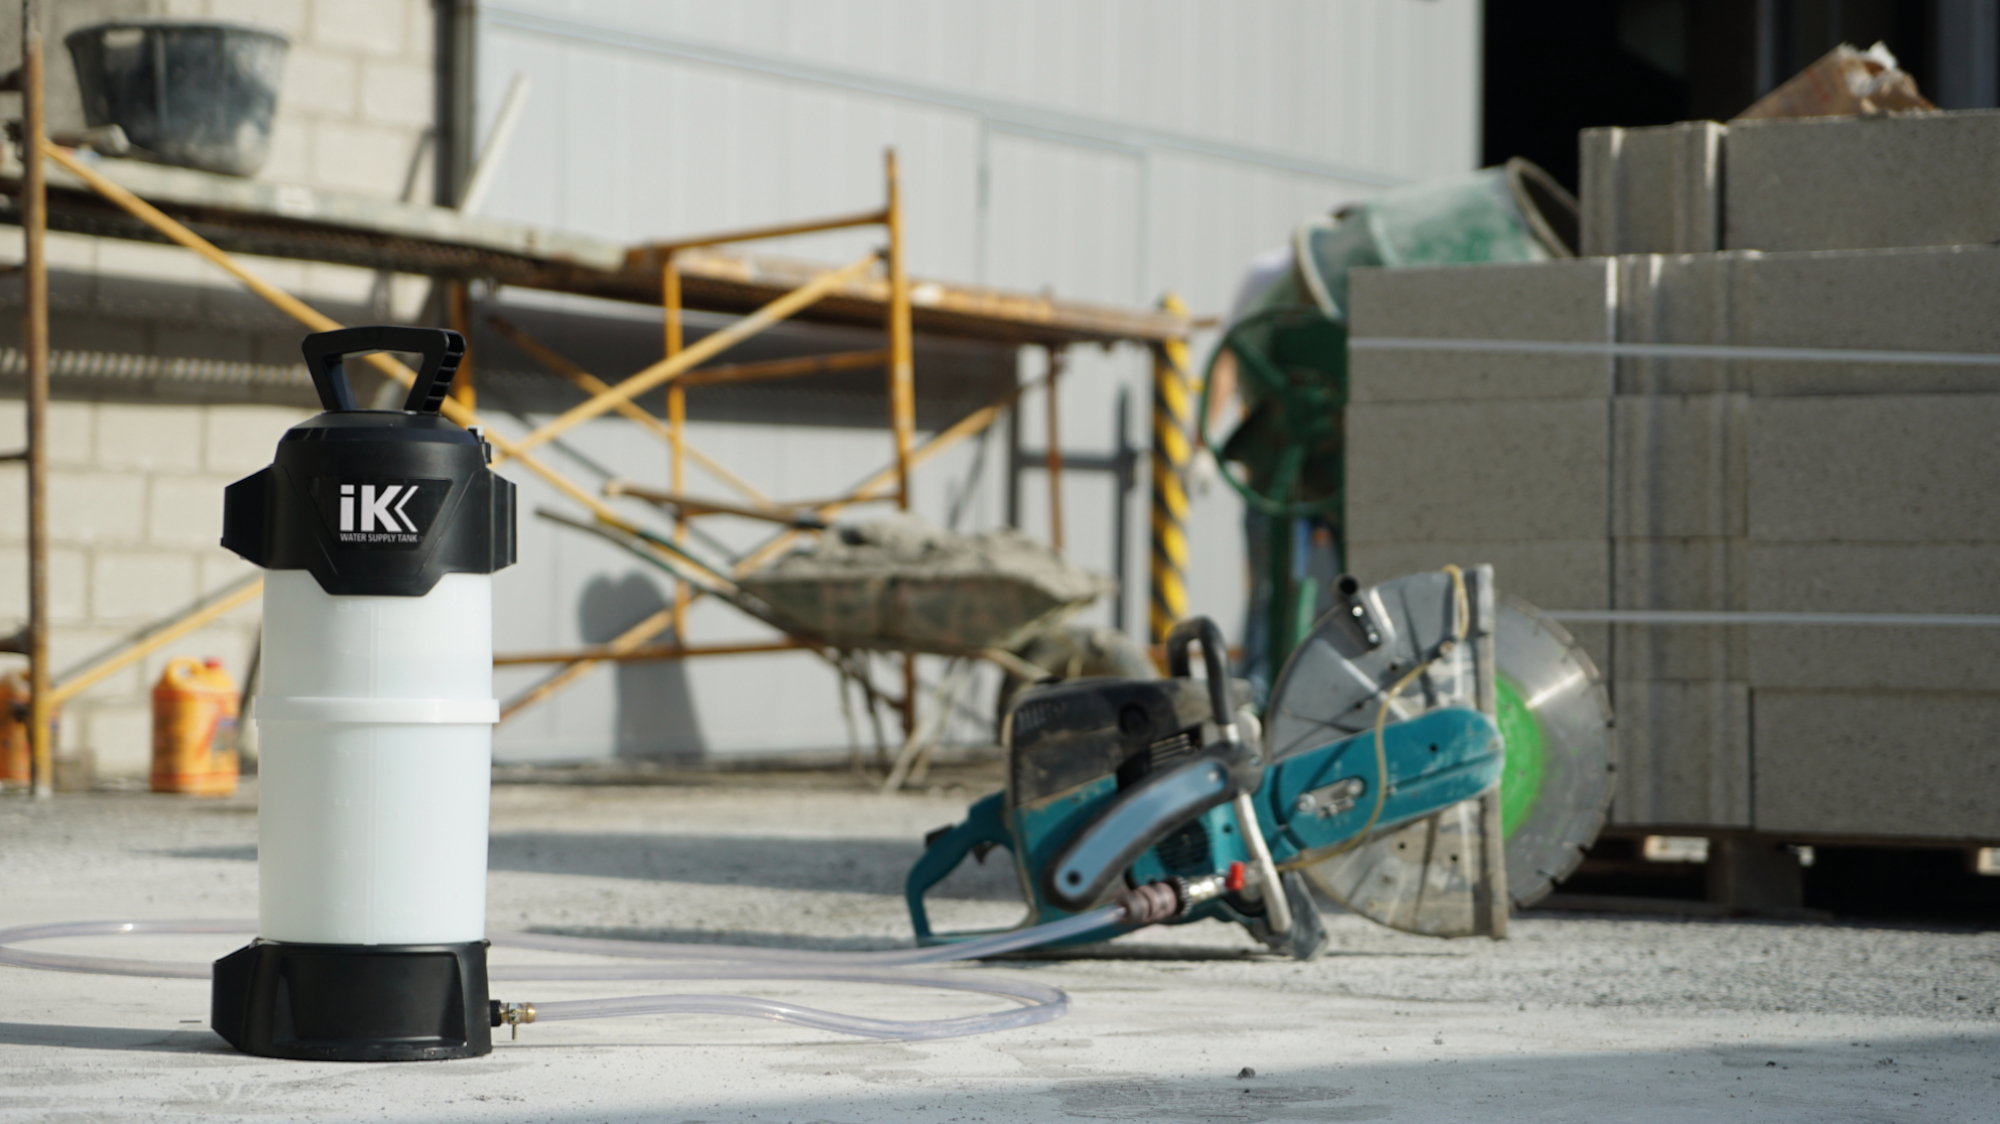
{"x":380,"y":531}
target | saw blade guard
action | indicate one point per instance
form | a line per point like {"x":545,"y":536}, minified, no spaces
{"x":1446,"y":874}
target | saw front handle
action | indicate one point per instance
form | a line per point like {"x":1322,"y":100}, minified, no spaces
{"x":1215,"y":661}
{"x":985,"y":827}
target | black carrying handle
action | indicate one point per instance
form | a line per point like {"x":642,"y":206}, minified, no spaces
{"x":441,"y":348}
{"x":1214,"y":658}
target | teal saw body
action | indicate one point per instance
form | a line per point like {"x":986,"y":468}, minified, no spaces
{"x":1385,"y":722}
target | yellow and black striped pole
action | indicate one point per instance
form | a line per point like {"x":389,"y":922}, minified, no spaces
{"x":1173,"y":434}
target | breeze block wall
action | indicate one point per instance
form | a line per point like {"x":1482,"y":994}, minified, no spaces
{"x":169,"y":380}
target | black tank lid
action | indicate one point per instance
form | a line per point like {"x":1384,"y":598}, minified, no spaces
{"x":376,"y":502}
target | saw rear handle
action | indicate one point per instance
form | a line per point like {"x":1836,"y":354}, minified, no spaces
{"x":985,"y":828}
{"x":1145,"y":813}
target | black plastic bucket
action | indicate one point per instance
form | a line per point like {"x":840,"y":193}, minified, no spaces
{"x":196,"y":94}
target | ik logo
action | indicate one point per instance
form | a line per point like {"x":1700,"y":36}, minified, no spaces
{"x":381,"y":507}
{"x":377,"y":513}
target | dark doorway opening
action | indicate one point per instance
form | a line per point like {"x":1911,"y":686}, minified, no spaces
{"x":1554,"y":67}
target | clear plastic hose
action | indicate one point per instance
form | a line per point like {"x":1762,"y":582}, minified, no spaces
{"x":1012,"y":940}
{"x":669,"y":962}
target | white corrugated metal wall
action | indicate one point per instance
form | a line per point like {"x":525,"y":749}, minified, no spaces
{"x":1105,"y":151}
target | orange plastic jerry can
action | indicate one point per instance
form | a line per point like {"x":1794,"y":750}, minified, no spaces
{"x":194,"y":728}
{"x":16,"y":763}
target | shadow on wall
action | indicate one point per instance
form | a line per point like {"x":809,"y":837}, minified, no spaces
{"x":656,"y":716}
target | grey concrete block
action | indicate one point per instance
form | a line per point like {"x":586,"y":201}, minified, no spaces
{"x":68,"y":585}
{"x":1895,"y":763}
{"x":119,"y":734}
{"x":1874,"y":577}
{"x":242,"y":439}
{"x":1935,"y":577}
{"x":1655,"y":190}
{"x":1695,"y":574}
{"x":97,"y":507}
{"x":157,"y":438}
{"x":1876,"y":468}
{"x":1874,"y":658}
{"x":1479,"y":471}
{"x":1862,"y":182}
{"x":1879,"y":300}
{"x":71,"y":428}
{"x":1547,"y":575}
{"x":185,"y":511}
{"x":1550,"y":574}
{"x":1684,"y":750}
{"x":1898,"y":300}
{"x":1568,"y":301}
{"x":1680,"y":300}
{"x":135,"y":585}
{"x":1680,"y":465}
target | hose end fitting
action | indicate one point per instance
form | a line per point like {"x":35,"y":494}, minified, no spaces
{"x":513,"y":1015}
{"x":1154,"y":902}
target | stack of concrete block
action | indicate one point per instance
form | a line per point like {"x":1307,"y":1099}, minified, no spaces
{"x":1739,"y":483}
{"x":1822,"y":183}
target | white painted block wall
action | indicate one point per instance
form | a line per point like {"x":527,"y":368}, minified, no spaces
{"x":1106,"y":152}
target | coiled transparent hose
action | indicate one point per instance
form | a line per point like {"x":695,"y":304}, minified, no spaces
{"x":668,"y":962}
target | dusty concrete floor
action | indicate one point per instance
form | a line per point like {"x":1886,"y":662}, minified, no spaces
{"x":1574,"y":1018}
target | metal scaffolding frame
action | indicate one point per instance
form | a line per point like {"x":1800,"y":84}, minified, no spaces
{"x":873,"y":287}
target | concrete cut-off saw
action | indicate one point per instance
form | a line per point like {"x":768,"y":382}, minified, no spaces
{"x":1420,"y":723}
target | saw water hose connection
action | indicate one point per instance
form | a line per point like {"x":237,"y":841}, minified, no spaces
{"x":1040,"y":1003}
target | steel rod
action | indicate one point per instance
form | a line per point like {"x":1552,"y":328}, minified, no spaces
{"x":878,"y":486}
{"x":685,"y":506}
{"x":670,"y":302}
{"x":1680,"y":351}
{"x":591,"y":384}
{"x":713,"y":344}
{"x":1121,"y":532}
{"x":624,"y":642}
{"x":784,"y":368}
{"x":35,"y":344}
{"x":902,"y":388}
{"x":757,"y":233}
{"x":153,"y":642}
{"x":1057,"y":358}
{"x":649,"y":652}
{"x":1726,"y":617}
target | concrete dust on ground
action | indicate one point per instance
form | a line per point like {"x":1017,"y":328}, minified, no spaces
{"x":1573,"y":1018}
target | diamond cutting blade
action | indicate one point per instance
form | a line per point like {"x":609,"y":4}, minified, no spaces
{"x":1562,"y":749}
{"x":1549,"y":703}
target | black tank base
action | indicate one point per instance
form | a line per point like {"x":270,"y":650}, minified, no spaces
{"x":354,"y":1003}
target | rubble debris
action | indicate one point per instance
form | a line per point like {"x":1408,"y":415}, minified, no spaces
{"x":1844,"y":82}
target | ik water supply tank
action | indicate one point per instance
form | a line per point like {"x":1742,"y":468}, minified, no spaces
{"x":380,"y":531}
